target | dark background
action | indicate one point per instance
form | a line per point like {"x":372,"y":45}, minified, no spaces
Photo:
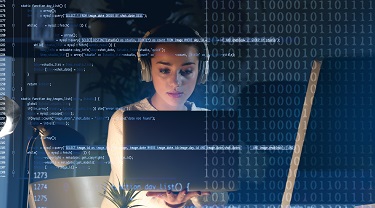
{"x":242,"y":77}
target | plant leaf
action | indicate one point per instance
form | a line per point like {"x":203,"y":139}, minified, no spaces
{"x":119,"y":196}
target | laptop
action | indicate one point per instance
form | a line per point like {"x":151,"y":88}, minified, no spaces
{"x":174,"y":150}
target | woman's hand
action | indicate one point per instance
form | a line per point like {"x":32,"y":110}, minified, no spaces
{"x":178,"y":199}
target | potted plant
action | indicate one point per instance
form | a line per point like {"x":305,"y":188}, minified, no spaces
{"x":120,"y":197}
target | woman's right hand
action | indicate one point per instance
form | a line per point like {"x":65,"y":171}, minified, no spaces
{"x":178,"y":199}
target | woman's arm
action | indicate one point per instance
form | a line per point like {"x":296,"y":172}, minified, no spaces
{"x":115,"y":143}
{"x":115,"y":152}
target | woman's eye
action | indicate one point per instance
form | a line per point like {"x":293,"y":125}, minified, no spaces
{"x":164,"y":71}
{"x":186,"y":72}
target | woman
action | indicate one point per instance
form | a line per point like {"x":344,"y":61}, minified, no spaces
{"x":175,"y":68}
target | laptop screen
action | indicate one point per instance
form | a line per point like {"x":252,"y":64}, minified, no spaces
{"x":173,"y":150}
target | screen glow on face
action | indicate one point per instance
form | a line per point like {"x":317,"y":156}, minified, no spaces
{"x":174,"y":71}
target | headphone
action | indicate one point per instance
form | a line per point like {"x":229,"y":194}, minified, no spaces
{"x":145,"y":62}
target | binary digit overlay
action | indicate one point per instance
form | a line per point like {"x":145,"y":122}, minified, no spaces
{"x":70,"y":66}
{"x":264,"y":77}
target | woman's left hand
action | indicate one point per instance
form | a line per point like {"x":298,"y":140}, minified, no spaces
{"x":172,"y":199}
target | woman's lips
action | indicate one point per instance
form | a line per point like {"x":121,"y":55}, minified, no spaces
{"x":175,"y":94}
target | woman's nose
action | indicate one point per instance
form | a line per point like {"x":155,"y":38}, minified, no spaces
{"x":175,"y":79}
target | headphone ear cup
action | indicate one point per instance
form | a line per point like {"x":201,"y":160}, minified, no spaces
{"x":143,"y":63}
{"x":140,"y":73}
{"x":203,"y":74}
{"x":203,"y":78}
{"x":145,"y":71}
{"x":205,"y":65}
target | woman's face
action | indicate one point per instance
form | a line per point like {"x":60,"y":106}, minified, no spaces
{"x":174,"y":71}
